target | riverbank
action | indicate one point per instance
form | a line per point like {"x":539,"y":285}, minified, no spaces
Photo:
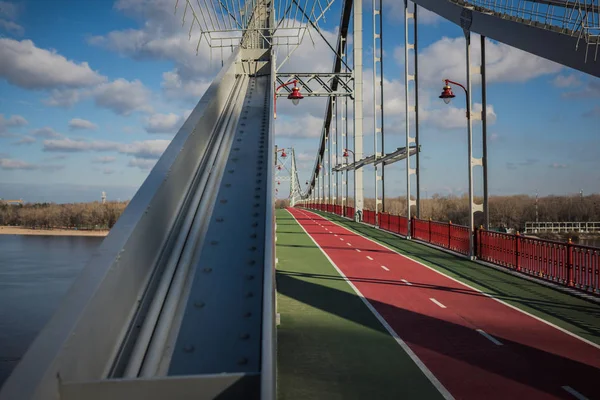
{"x":19,"y":230}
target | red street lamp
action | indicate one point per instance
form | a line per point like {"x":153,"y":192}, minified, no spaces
{"x":345,"y":154}
{"x":283,"y":153}
{"x":447,"y":94}
{"x":295,"y":96}
{"x":279,"y":167}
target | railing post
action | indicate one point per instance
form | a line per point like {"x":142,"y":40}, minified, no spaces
{"x":570,"y":263}
{"x":517,"y":250}
{"x":449,"y":233}
{"x":475,"y":242}
{"x":429,"y":240}
{"x":479,"y":234}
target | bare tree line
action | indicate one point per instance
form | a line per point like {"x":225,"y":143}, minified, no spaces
{"x":505,"y":211}
{"x":68,"y":216}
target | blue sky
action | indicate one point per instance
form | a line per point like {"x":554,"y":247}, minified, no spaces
{"x":91,"y":93}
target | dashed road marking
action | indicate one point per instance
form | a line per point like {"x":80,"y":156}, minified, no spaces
{"x":358,"y":250}
{"x":369,"y":257}
{"x":407,"y":282}
{"x":437,"y":302}
{"x":384,"y":268}
{"x":575,"y":393}
{"x":490,"y":338}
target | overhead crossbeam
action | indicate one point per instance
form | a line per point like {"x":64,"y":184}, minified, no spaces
{"x":321,"y":84}
{"x":395,"y":156}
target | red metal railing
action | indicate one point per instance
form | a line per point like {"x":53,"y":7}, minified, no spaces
{"x":564,"y":263}
{"x":369,"y":217}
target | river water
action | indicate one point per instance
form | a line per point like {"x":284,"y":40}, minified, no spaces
{"x":35,"y":273}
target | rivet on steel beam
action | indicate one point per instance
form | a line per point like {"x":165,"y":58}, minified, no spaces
{"x":251,"y":262}
{"x":245,"y":336}
{"x":220,"y":219}
{"x":189,"y":348}
{"x":214,"y":242}
{"x":247,"y":314}
{"x":243,"y":361}
{"x":207,"y":269}
{"x":250,"y":277}
{"x":231,"y":171}
{"x":228,"y":185}
{"x":223,"y":201}
{"x":249,"y":294}
{"x":252,"y":248}
{"x":199,"y":304}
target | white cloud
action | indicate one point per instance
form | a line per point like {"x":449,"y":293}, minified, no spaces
{"x":9,"y":10}
{"x":142,"y":163}
{"x":455,"y":118}
{"x":11,"y":27}
{"x":590,"y":90}
{"x":13,"y":121}
{"x":558,"y":166}
{"x":306,"y":127}
{"x":163,"y":123}
{"x":175,"y":87}
{"x":108,"y":171}
{"x":70,"y":145}
{"x":563,"y":81}
{"x":148,"y":149}
{"x":46,"y":132}
{"x":446,"y":59}
{"x":78,"y":123}
{"x":63,"y":98}
{"x":104,"y":160}
{"x":12,"y":164}
{"x":25,"y":140}
{"x":27,"y":66}
{"x":123,"y":96}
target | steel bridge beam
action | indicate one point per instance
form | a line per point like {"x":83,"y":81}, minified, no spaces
{"x":143,"y":321}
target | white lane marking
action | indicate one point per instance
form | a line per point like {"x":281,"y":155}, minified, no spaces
{"x":489,"y":337}
{"x":384,"y":268}
{"x":369,"y":257}
{"x":348,"y":244}
{"x":575,"y":393}
{"x":438,"y":385}
{"x":407,"y":282}
{"x":437,"y":302}
{"x":357,"y":250}
{"x":473,"y":288}
{"x":335,"y":235}
{"x":341,"y":238}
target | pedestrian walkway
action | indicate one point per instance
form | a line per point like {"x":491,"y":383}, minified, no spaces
{"x":476,"y":346}
{"x":330,"y":345}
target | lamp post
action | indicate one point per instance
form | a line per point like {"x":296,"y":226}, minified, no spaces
{"x":447,"y":95}
{"x":295,"y":96}
{"x":345,"y":155}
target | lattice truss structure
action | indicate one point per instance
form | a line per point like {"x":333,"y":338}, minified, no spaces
{"x":222,"y":23}
{"x":578,"y":18}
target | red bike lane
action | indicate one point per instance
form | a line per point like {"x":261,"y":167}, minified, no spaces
{"x":476,"y":346}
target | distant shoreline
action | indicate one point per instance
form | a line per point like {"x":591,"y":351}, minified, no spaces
{"x":19,"y":230}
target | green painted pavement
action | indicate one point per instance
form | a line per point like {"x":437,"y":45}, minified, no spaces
{"x":567,"y":311}
{"x":329,"y":344}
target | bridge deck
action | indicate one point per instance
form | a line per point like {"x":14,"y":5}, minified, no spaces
{"x":477,"y":347}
